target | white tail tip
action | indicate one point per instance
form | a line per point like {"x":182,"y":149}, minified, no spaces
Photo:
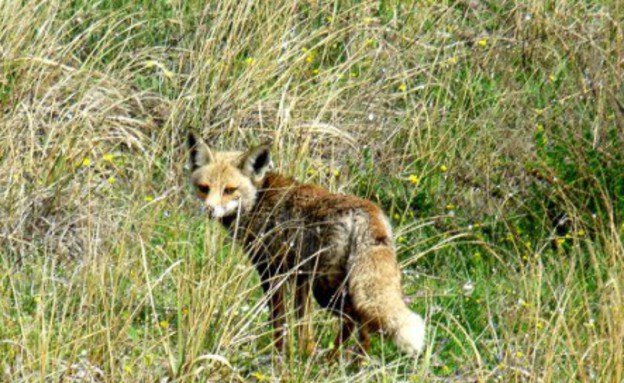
{"x":410,"y":337}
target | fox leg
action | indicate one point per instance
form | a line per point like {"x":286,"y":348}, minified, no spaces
{"x":347,"y":329}
{"x":343,"y":335}
{"x":277,"y":315}
{"x":364,"y":339}
{"x":275,"y":290}
{"x":302,"y":302}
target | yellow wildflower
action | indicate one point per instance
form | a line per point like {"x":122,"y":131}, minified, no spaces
{"x":148,"y":198}
{"x":249,"y":60}
{"x":414,"y":179}
{"x":509,"y":237}
{"x":482,"y":42}
{"x":259,"y":376}
{"x":108,"y":157}
{"x":86,"y":162}
{"x":164,"y":324}
{"x":111,"y":180}
{"x":152,"y":63}
{"x":402,"y":87}
{"x":443,"y":168}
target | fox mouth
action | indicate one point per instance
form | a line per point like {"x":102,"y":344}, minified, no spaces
{"x":227,"y":221}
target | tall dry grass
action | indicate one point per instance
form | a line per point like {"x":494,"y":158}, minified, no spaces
{"x":491,"y":133}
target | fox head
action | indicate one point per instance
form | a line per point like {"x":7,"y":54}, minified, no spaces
{"x":227,"y":182}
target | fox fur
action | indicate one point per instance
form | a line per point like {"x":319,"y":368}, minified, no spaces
{"x":339,"y":247}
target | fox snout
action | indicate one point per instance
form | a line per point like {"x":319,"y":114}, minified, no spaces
{"x":214,"y":211}
{"x":220,"y":211}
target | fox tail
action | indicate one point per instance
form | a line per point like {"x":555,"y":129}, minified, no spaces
{"x":375,"y":289}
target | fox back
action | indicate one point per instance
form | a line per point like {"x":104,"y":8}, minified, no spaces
{"x":338,"y":246}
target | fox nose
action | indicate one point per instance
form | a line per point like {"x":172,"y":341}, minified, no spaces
{"x":213,"y":211}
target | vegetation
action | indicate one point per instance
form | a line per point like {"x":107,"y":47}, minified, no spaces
{"x":491,"y":132}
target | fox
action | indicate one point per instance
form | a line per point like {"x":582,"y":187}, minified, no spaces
{"x":337,"y":247}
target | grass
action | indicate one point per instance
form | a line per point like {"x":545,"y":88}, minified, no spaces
{"x":490,"y":133}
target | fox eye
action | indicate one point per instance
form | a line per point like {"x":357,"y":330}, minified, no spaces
{"x":205,"y":189}
{"x":229,"y":190}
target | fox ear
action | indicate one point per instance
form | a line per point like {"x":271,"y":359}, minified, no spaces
{"x":256,"y":162}
{"x":200,"y":152}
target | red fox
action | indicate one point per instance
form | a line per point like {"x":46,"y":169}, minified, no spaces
{"x":339,"y":247}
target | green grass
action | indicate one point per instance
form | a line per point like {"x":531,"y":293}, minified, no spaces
{"x":491,"y":134}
